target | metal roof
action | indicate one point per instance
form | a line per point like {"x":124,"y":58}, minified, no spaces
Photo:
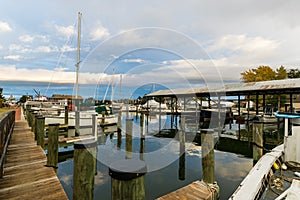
{"x":286,"y":86}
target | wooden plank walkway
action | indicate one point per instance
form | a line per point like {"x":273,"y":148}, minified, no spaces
{"x":25,"y":173}
{"x":197,"y":190}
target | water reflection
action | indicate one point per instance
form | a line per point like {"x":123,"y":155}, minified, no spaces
{"x":175,"y":161}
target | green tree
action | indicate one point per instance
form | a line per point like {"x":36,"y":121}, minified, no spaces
{"x":281,"y":73}
{"x":262,"y":73}
{"x":293,"y":73}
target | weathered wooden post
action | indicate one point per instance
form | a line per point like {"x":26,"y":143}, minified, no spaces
{"x":181,"y":172}
{"x":103,"y":118}
{"x":143,"y":134}
{"x":128,"y":179}
{"x":208,"y":161}
{"x":77,"y":123}
{"x":29,"y":118}
{"x":66,"y":115}
{"x":129,"y":124}
{"x":52,"y":157}
{"x":33,"y":127}
{"x":84,"y":169}
{"x":257,"y":141}
{"x":40,"y":128}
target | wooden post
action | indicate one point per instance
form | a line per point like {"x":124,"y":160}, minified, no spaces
{"x":257,"y":141}
{"x":103,"y":118}
{"x":208,"y":162}
{"x":77,"y":123}
{"x":181,"y":172}
{"x":33,"y":127}
{"x":52,"y":157}
{"x":66,"y":115}
{"x":29,"y":118}
{"x":84,"y":169}
{"x":94,"y":126}
{"x":208,"y":156}
{"x":40,"y":128}
{"x":129,"y":124}
{"x":142,"y":141}
{"x":128,"y":179}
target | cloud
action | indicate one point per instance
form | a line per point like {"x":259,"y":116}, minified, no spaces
{"x":66,"y":31}
{"x":99,"y":33}
{"x":136,"y":60}
{"x":43,"y":49}
{"x":243,"y":43}
{"x":4,"y":27}
{"x":67,"y":48}
{"x":12,"y":57}
{"x":18,"y":48}
{"x":26,"y":38}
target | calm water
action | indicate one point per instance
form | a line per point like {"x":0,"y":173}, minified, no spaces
{"x":162,"y":159}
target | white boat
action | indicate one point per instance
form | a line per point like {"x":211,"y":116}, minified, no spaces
{"x":271,"y":173}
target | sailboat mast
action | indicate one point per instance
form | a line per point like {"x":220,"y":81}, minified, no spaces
{"x":78,"y":52}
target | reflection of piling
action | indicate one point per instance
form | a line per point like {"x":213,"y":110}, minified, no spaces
{"x":52,"y":157}
{"x":129,"y":124}
{"x":181,"y":171}
{"x":119,"y":130}
{"x":208,"y":161}
{"x":66,"y":115}
{"x":257,"y":141}
{"x":142,"y":141}
{"x":128,"y":179}
{"x":40,"y":128}
{"x":84,"y":169}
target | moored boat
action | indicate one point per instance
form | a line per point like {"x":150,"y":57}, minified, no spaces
{"x":274,"y":176}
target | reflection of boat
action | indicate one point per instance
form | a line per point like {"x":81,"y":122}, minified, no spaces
{"x":270,"y":176}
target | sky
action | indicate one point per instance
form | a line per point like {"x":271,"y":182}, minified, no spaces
{"x":171,"y":43}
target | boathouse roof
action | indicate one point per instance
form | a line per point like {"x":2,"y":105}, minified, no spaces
{"x":286,"y":86}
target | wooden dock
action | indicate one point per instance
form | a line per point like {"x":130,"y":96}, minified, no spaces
{"x":197,"y":190}
{"x":25,"y":174}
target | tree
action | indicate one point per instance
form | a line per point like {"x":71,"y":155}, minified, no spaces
{"x":281,"y":73}
{"x":262,"y":73}
{"x":293,"y":73}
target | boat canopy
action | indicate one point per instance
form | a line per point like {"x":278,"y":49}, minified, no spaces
{"x":287,"y":115}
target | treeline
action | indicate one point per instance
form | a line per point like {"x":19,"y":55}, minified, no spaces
{"x":266,"y":73}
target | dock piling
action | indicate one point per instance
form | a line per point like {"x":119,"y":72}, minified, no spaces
{"x":129,"y":124}
{"x":128,"y":179}
{"x":40,"y":128}
{"x":84,"y":169}
{"x":257,"y":141}
{"x":52,"y":157}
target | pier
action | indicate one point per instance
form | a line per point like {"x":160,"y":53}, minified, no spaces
{"x":25,"y":175}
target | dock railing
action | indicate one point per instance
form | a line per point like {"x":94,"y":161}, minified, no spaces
{"x":7,"y":121}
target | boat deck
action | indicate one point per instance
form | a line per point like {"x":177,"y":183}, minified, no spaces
{"x":25,"y":174}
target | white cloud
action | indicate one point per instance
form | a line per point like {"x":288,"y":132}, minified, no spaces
{"x":1,"y":47}
{"x":43,"y":49}
{"x":67,"y":48}
{"x":243,"y":43}
{"x":4,"y":27}
{"x":99,"y":33}
{"x":137,"y":60}
{"x":26,"y":38}
{"x":66,"y":31}
{"x":13,"y":57}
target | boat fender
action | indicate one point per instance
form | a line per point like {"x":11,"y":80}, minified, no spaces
{"x":283,"y":166}
{"x":275,"y":165}
{"x":297,"y":174}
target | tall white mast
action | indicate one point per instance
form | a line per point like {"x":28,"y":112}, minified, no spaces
{"x":78,"y":52}
{"x":77,"y":125}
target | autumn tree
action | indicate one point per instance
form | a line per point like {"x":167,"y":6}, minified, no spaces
{"x":265,"y":73}
{"x":262,"y":73}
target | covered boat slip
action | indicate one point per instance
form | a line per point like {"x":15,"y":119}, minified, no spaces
{"x":263,"y":88}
